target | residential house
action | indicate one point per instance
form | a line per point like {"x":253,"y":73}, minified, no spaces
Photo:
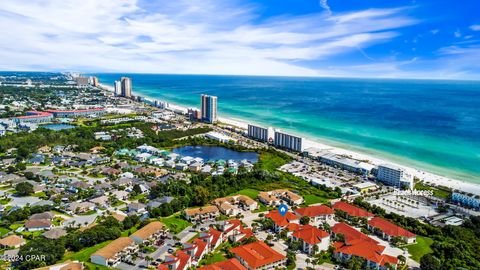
{"x":37,"y":225}
{"x":136,"y":207}
{"x":55,"y":233}
{"x":80,"y":207}
{"x":12,"y":241}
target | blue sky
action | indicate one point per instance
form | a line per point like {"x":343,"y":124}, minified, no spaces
{"x":435,"y":39}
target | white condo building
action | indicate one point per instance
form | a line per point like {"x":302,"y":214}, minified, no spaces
{"x":259,"y":133}
{"x":392,"y":175}
{"x":287,"y":141}
{"x":117,"y":88}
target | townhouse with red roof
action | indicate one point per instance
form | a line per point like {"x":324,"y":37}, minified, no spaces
{"x":180,"y":261}
{"x":352,"y":211}
{"x":312,"y":238}
{"x":389,"y":230}
{"x":360,"y":245}
{"x":231,"y":264}
{"x":213,"y":237}
{"x":316,"y":213}
{"x":282,"y":222}
{"x":197,"y":249}
{"x":234,"y":231}
{"x":258,"y":255}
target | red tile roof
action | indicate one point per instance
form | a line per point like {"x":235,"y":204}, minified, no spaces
{"x":201,"y":246}
{"x":311,"y":235}
{"x":314,"y":211}
{"x":279,"y":220}
{"x":389,"y":228}
{"x":351,"y":233}
{"x":182,"y":258}
{"x":232,"y":264}
{"x":34,"y":114}
{"x":366,"y":250}
{"x":352,"y":210}
{"x":257,"y":254}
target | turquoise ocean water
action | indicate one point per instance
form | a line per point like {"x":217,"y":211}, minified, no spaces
{"x":432,"y":125}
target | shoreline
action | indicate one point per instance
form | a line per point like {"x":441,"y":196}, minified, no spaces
{"x":427,"y":177}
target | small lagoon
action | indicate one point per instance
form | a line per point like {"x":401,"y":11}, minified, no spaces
{"x":215,"y":153}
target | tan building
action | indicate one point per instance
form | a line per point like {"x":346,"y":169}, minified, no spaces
{"x":201,"y":214}
{"x":231,"y":205}
{"x":278,"y":196}
{"x":151,"y":232}
{"x":110,"y":255}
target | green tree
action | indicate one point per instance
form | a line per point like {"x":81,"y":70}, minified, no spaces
{"x":24,"y":189}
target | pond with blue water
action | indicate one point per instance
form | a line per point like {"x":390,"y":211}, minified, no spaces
{"x":215,"y":153}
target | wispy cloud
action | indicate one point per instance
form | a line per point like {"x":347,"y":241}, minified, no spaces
{"x":475,"y":27}
{"x":191,"y":36}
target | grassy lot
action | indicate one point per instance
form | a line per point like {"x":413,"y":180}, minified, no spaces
{"x":175,"y":223}
{"x":40,"y":194}
{"x":252,"y":193}
{"x":4,"y":231}
{"x":313,"y":199}
{"x":84,"y":254}
{"x":129,"y":232}
{"x":421,"y":248}
{"x":270,"y":161}
{"x":437,"y":192}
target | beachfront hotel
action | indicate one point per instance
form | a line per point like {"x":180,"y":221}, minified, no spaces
{"x":209,"y":108}
{"x":259,"y":133}
{"x":287,"y":141}
{"x":126,"y":87}
{"x":392,"y":175}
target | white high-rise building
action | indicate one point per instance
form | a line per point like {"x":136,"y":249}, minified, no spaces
{"x":392,"y":175}
{"x":118,"y":88}
{"x":287,"y":141}
{"x":209,"y":108}
{"x":126,"y":87}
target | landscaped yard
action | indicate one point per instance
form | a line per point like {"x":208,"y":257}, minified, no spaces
{"x":4,"y":231}
{"x":175,"y":223}
{"x":252,"y":193}
{"x":15,"y":226}
{"x":5,"y":201}
{"x":213,"y":258}
{"x":421,"y":248}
